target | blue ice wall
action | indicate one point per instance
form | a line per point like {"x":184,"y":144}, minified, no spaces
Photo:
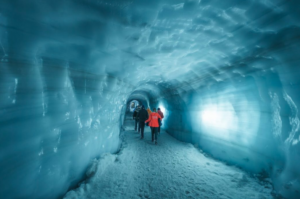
{"x":251,"y":122}
{"x":54,"y":121}
{"x":225,"y":71}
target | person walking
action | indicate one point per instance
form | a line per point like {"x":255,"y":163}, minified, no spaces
{"x":162,"y":117}
{"x":143,"y":116}
{"x":153,"y":123}
{"x":136,"y":118}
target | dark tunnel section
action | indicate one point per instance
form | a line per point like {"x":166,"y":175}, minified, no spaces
{"x":131,"y":104}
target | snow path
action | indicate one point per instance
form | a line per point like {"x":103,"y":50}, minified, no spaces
{"x":171,"y":169}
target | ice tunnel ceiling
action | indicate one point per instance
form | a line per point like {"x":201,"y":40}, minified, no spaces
{"x":226,"y":74}
{"x":169,"y":43}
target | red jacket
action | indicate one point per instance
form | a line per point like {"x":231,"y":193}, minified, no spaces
{"x":161,"y":114}
{"x":153,"y":119}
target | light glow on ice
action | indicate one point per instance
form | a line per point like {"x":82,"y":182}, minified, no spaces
{"x":165,"y":112}
{"x":225,"y":71}
{"x":219,"y":119}
{"x":163,"y":109}
{"x":228,"y":116}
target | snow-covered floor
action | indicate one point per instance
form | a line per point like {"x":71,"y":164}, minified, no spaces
{"x":170,"y":169}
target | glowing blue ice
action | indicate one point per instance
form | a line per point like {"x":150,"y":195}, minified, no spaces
{"x":225,"y":73}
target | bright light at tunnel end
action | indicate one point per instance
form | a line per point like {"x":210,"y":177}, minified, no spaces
{"x":133,"y":104}
{"x":163,"y":109}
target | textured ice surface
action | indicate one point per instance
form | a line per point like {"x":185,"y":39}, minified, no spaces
{"x":171,"y":169}
{"x":233,"y":123}
{"x":52,"y":126}
{"x":226,"y":72}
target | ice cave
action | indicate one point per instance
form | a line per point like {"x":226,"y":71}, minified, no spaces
{"x":225,"y":74}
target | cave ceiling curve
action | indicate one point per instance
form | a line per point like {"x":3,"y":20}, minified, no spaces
{"x":166,"y":43}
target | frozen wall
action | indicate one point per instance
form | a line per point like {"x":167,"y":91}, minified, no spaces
{"x":226,"y":73}
{"x":251,"y":122}
{"x":54,"y":121}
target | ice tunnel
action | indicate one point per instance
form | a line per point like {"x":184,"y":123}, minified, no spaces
{"x":225,"y":73}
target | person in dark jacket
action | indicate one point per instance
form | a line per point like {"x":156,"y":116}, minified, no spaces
{"x":153,"y":123}
{"x":143,"y":116}
{"x":136,"y":117}
{"x":162,"y":117}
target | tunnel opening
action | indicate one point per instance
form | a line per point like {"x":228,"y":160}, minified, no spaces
{"x":133,"y":104}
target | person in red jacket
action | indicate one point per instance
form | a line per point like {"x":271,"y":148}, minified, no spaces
{"x":153,"y":123}
{"x":162,"y":117}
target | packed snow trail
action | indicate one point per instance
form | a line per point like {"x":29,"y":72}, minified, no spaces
{"x":170,"y":169}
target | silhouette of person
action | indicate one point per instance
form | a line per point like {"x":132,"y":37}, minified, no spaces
{"x":143,"y":116}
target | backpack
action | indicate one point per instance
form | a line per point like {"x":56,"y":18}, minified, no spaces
{"x":159,"y":122}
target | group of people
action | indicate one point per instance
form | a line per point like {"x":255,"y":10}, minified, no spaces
{"x":152,"y":118}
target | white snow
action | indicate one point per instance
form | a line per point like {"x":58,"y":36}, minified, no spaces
{"x":171,"y":169}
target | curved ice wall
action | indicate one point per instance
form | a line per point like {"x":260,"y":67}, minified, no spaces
{"x":224,"y":72}
{"x":54,"y":120}
{"x":255,"y":128}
